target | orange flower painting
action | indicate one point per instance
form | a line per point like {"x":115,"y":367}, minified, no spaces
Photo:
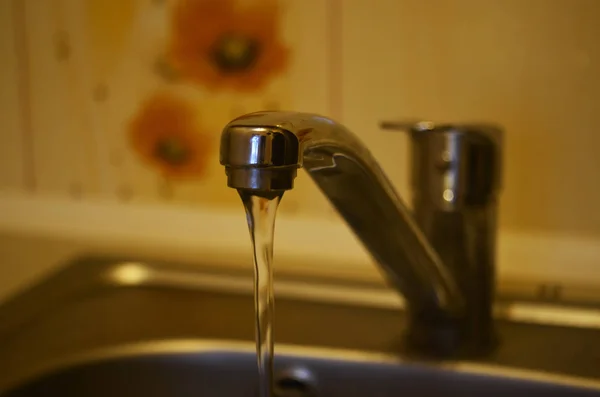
{"x":165,"y":134}
{"x":227,"y":44}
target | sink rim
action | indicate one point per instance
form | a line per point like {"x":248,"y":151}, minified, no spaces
{"x":189,"y":346}
{"x":94,"y":273}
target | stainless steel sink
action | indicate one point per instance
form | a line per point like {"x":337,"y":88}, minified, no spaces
{"x":121,"y":328}
{"x":212,"y":368}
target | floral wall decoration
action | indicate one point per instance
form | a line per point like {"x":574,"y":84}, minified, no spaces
{"x":229,"y":50}
{"x":126,"y":100}
{"x":166,"y":134}
{"x":227,"y":44}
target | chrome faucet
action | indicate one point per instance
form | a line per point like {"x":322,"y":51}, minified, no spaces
{"x":440,"y":256}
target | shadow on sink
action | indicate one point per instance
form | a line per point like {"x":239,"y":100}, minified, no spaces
{"x":213,"y":368}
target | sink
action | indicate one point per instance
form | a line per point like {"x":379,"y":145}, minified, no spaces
{"x":104,"y":327}
{"x":214,"y":368}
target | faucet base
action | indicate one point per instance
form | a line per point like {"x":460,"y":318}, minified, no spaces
{"x":444,"y":337}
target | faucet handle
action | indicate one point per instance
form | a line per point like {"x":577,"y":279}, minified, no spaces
{"x":453,"y":165}
{"x":490,"y":131}
{"x":408,"y":125}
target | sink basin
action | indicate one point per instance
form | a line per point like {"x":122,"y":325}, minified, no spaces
{"x":214,"y":368}
{"x":102,"y":327}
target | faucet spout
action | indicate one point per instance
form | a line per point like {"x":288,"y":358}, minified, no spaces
{"x":262,"y":151}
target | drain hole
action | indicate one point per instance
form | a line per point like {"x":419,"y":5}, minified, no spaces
{"x":292,"y":385}
{"x":295,"y":382}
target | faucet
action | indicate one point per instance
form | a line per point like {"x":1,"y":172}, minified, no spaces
{"x":440,"y":256}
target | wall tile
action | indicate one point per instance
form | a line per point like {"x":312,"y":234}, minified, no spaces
{"x":529,"y":65}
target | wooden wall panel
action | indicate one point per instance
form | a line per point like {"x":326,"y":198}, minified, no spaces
{"x":60,"y":122}
{"x":12,"y":172}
